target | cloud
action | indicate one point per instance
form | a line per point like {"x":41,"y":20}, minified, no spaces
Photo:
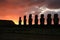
{"x":52,"y":13}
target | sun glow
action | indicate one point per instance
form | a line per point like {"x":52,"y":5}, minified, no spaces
{"x":14,"y":18}
{"x":15,"y":21}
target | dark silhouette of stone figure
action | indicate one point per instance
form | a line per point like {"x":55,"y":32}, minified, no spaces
{"x":20,"y":21}
{"x":36,"y":19}
{"x":56,"y":19}
{"x":42,"y":19}
{"x":24,"y":20}
{"x":49,"y":19}
{"x":30,"y":19}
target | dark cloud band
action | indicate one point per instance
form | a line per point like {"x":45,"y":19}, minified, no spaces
{"x":22,"y":2}
{"x":53,"y":3}
{"x":49,"y":3}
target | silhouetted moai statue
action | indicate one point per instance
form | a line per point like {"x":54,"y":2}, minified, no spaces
{"x":24,"y":20}
{"x":49,"y":19}
{"x":56,"y":19}
{"x":36,"y":19}
{"x":30,"y":19}
{"x":20,"y":20}
{"x":42,"y":19}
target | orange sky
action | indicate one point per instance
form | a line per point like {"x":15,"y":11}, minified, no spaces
{"x":13,"y":9}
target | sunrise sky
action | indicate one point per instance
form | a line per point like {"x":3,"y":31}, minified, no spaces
{"x":13,"y":9}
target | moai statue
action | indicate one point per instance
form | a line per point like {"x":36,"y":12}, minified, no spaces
{"x":49,"y":19}
{"x":30,"y":19}
{"x":42,"y":19}
{"x":20,"y":20}
{"x":56,"y":19}
{"x":24,"y":20}
{"x":36,"y":20}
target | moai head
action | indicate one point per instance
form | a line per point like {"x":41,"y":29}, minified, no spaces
{"x":36,"y":16}
{"x":42,"y":15}
{"x":49,"y":16}
{"x":30,"y":16}
{"x":55,"y":15}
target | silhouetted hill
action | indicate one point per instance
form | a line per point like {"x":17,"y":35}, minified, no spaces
{"x":6,"y":23}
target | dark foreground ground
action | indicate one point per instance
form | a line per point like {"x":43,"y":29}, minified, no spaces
{"x":13,"y":36}
{"x":30,"y":33}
